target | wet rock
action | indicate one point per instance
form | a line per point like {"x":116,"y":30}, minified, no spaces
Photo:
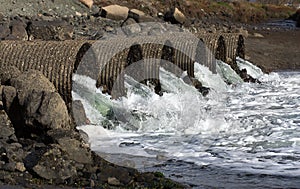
{"x":247,"y":78}
{"x":114,"y":12}
{"x":123,"y":175}
{"x":79,"y":114}
{"x":7,"y":73}
{"x":197,"y":84}
{"x":175,"y":16}
{"x":50,"y":30}
{"x":139,"y":16}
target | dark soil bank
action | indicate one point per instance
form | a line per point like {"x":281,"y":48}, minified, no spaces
{"x":276,"y":50}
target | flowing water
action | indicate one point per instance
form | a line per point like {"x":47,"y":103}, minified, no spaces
{"x":239,"y":136}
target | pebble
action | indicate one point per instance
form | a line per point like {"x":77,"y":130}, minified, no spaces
{"x":113,"y":181}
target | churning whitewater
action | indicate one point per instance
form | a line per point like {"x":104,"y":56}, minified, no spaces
{"x":244,"y":128}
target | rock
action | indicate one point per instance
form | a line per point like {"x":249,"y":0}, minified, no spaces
{"x":175,"y":16}
{"x":139,"y":16}
{"x":31,"y":80}
{"x":297,"y":18}
{"x":197,"y":84}
{"x":74,"y":150}
{"x":42,"y":107}
{"x":8,"y":97}
{"x":131,"y":27}
{"x":53,"y":164}
{"x":258,"y":35}
{"x":113,"y":181}
{"x":46,"y":110}
{"x":247,"y":78}
{"x":18,"y":31}
{"x":20,"y":167}
{"x":88,"y":3}
{"x":114,"y":12}
{"x":4,"y":30}
{"x":7,"y":73}
{"x":50,"y":30}
{"x":79,"y":115}
{"x":6,"y":127}
{"x":1,"y":16}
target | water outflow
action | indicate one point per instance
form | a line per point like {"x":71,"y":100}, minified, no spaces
{"x":252,"y":128}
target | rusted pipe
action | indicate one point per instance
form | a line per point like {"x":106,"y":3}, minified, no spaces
{"x":56,"y":60}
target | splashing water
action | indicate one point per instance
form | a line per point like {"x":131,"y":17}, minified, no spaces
{"x":246,"y":128}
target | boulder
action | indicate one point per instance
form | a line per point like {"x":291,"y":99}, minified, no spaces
{"x":29,"y":81}
{"x":114,"y":12}
{"x":75,"y":150}
{"x":8,"y":97}
{"x":50,"y":30}
{"x":79,"y":114}
{"x":88,"y":3}
{"x":175,"y":16}
{"x":51,"y":164}
{"x":131,"y":27}
{"x":18,"y":31}
{"x":4,"y":30}
{"x":139,"y":16}
{"x":7,"y":73}
{"x":6,"y":127}
{"x":42,"y":107}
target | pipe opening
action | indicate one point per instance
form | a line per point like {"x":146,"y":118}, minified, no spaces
{"x":221,"y":49}
{"x":240,"y":51}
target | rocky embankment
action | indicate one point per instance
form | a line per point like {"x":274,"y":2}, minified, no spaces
{"x":40,"y":146}
{"x":39,"y":143}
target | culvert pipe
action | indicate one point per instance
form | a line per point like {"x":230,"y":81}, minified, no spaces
{"x":235,"y":48}
{"x":56,"y":60}
{"x":121,"y":52}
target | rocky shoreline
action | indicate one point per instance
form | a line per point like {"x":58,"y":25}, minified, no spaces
{"x":40,"y":146}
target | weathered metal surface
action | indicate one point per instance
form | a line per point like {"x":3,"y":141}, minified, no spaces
{"x":56,"y":60}
{"x":107,"y":61}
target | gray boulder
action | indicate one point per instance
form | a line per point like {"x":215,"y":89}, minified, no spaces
{"x":7,"y":73}
{"x":51,"y":164}
{"x":42,"y":107}
{"x":114,"y":12}
{"x":139,"y":16}
{"x":6,"y":127}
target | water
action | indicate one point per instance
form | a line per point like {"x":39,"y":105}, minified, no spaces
{"x":239,"y":136}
